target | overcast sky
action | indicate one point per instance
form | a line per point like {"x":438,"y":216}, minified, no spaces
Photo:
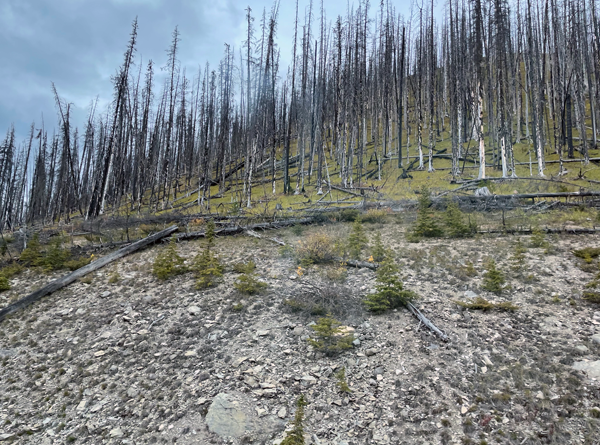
{"x":79,"y":44}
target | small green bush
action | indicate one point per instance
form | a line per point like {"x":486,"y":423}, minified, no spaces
{"x":248,"y":267}
{"x":32,"y":254}
{"x":329,"y":336}
{"x":357,"y":240}
{"x":114,"y":278}
{"x":518,"y":257}
{"x":78,"y":263}
{"x":493,"y":279}
{"x":426,"y":225}
{"x":248,"y":284}
{"x":342,"y":384}
{"x":454,"y":222}
{"x":587,"y":252}
{"x":208,"y":269}
{"x":389,"y":290}
{"x":348,"y":215}
{"x":11,"y":270}
{"x":296,"y":435}
{"x":4,"y":285}
{"x":538,"y":238}
{"x":378,"y":251}
{"x":168,"y":263}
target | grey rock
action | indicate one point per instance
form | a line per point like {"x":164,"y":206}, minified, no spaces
{"x":370,"y":352}
{"x":116,"y":432}
{"x":6,"y":436}
{"x":193,"y":310}
{"x":592,"y":369}
{"x":105,"y":294}
{"x":596,"y":339}
{"x":132,"y":393}
{"x":378,"y":371}
{"x":234,"y":416}
{"x":227,"y":418}
{"x":581,"y":349}
{"x":470,"y":294}
{"x":298,"y":330}
{"x":356,"y":342}
{"x":282,"y":413}
{"x":5,"y":353}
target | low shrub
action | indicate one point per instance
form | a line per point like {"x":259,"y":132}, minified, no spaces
{"x":317,"y":248}
{"x":481,"y":303}
{"x":248,"y":267}
{"x":4,"y":284}
{"x":208,"y":269}
{"x":375,"y":216}
{"x":348,"y":215}
{"x":248,"y":284}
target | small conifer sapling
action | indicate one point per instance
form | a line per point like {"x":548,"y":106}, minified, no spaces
{"x":389,"y":291}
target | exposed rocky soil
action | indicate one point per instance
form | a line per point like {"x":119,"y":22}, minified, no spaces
{"x":146,"y":361}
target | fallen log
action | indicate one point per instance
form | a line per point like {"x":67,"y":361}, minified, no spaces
{"x":256,"y":235}
{"x":426,"y":322}
{"x":240,"y":229}
{"x":346,"y":191}
{"x":68,"y":279}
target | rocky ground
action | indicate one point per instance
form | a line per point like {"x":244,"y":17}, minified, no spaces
{"x":125,"y":358}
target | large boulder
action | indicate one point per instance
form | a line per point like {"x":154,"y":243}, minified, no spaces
{"x":232,"y":415}
{"x":592,"y":369}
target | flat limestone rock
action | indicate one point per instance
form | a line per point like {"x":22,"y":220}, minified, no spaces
{"x":233,"y":415}
{"x":227,"y":418}
{"x":592,"y":369}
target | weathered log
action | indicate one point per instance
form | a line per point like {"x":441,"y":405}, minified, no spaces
{"x":68,"y":279}
{"x":240,"y":229}
{"x":256,"y":235}
{"x":426,"y":322}
{"x":346,"y":191}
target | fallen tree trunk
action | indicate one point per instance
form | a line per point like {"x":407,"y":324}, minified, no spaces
{"x":426,"y":322}
{"x":68,"y":279}
{"x":574,"y":231}
{"x":256,"y":235}
{"x":240,"y":229}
